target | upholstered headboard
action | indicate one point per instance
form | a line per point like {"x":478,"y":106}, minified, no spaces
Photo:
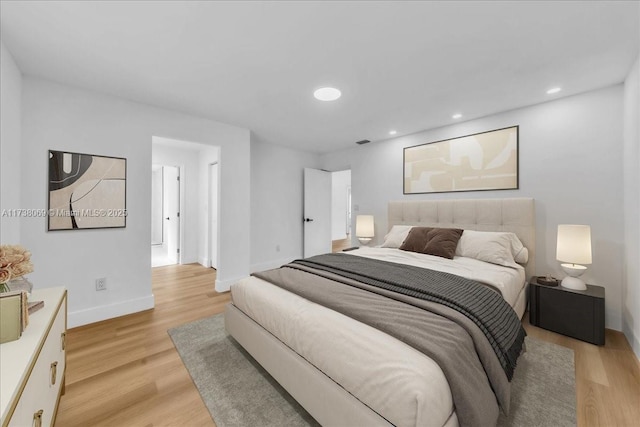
{"x":515,"y":215}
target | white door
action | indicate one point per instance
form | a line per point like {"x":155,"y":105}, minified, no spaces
{"x":213,"y":215}
{"x":172,"y":211}
{"x":317,"y":212}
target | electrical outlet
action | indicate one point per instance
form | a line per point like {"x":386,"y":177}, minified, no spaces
{"x":101,"y":284}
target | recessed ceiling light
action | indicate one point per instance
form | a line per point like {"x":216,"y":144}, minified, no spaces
{"x":456,"y":116}
{"x":554,"y":90}
{"x":392,"y":132}
{"x":327,"y":94}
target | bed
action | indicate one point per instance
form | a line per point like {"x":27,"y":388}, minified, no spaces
{"x":345,"y":372}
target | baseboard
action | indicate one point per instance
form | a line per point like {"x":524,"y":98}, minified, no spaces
{"x":204,"y":262}
{"x":633,"y":340}
{"x":104,"y":312}
{"x":272,"y":264}
{"x":225,"y":285}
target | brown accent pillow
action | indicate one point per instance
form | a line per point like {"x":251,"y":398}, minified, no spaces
{"x":442,"y":242}
{"x":416,"y":239}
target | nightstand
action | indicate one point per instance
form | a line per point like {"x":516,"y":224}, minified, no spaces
{"x":577,"y":314}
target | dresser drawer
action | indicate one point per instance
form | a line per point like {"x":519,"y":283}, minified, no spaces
{"x":38,"y":402}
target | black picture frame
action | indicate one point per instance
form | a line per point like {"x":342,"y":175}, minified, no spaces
{"x":513,"y":182}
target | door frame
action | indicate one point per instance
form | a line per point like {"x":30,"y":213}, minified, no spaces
{"x":181,"y":210}
{"x":210,"y":242}
{"x":161,"y":204}
{"x":181,"y":206}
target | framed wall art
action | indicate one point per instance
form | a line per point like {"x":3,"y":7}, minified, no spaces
{"x":86,"y":191}
{"x":482,"y":161}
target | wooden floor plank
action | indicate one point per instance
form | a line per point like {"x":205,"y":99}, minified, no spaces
{"x":126,"y":371}
{"x":607,"y":378}
{"x":339,"y":245}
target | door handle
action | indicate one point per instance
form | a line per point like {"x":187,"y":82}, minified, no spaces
{"x":167,"y":218}
{"x":308,"y":219}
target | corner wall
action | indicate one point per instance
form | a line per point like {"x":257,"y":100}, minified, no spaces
{"x":10,"y":146}
{"x":64,"y":118}
{"x":277,"y":191}
{"x":570,"y":162}
{"x":631,"y":286}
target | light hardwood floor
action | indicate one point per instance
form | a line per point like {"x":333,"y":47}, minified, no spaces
{"x":338,"y":245}
{"x":607,"y":378}
{"x":126,"y":371}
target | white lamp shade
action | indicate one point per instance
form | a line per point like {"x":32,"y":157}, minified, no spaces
{"x":364,"y":226}
{"x":574,"y":244}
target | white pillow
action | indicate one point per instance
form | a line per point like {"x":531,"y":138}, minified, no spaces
{"x":494,"y":247}
{"x":396,"y":236}
{"x":519,"y":252}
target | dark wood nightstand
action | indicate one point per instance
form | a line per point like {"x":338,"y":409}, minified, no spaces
{"x":577,"y":314}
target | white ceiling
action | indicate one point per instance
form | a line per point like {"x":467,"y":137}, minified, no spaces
{"x":400,"y":65}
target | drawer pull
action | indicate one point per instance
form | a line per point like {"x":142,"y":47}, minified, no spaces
{"x":54,"y":372}
{"x":37,"y":418}
{"x":63,"y":340}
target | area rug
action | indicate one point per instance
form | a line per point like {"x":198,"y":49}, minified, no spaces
{"x":239,"y":392}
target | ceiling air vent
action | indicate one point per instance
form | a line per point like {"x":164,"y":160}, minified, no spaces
{"x":364,"y":141}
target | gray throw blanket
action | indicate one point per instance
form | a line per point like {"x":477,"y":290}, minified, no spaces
{"x":476,"y":378}
{"x":487,"y":309}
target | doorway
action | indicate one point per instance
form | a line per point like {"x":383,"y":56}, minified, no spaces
{"x":327,"y":211}
{"x":340,"y":210}
{"x":165,"y":215}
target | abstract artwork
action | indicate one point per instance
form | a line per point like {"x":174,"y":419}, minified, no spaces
{"x":483,"y":161}
{"x":86,"y":191}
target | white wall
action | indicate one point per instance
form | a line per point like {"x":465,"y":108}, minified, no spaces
{"x":340,"y":183}
{"x":187,"y":161}
{"x":277,"y":203}
{"x":64,"y":118}
{"x":570,"y":161}
{"x":10,"y":141}
{"x":631,"y":286}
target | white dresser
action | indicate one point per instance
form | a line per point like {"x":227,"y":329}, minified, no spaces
{"x":32,"y":369}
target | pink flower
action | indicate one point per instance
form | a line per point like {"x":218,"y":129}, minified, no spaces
{"x":5,"y":274}
{"x":15,"y":260}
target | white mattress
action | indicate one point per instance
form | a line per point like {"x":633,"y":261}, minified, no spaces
{"x":400,"y":383}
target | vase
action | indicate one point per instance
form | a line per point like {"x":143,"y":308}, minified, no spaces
{"x":19,"y":284}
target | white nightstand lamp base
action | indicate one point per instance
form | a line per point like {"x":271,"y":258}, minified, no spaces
{"x":572,"y":281}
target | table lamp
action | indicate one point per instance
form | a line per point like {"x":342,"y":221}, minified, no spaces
{"x":364,"y":228}
{"x":574,"y":249}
